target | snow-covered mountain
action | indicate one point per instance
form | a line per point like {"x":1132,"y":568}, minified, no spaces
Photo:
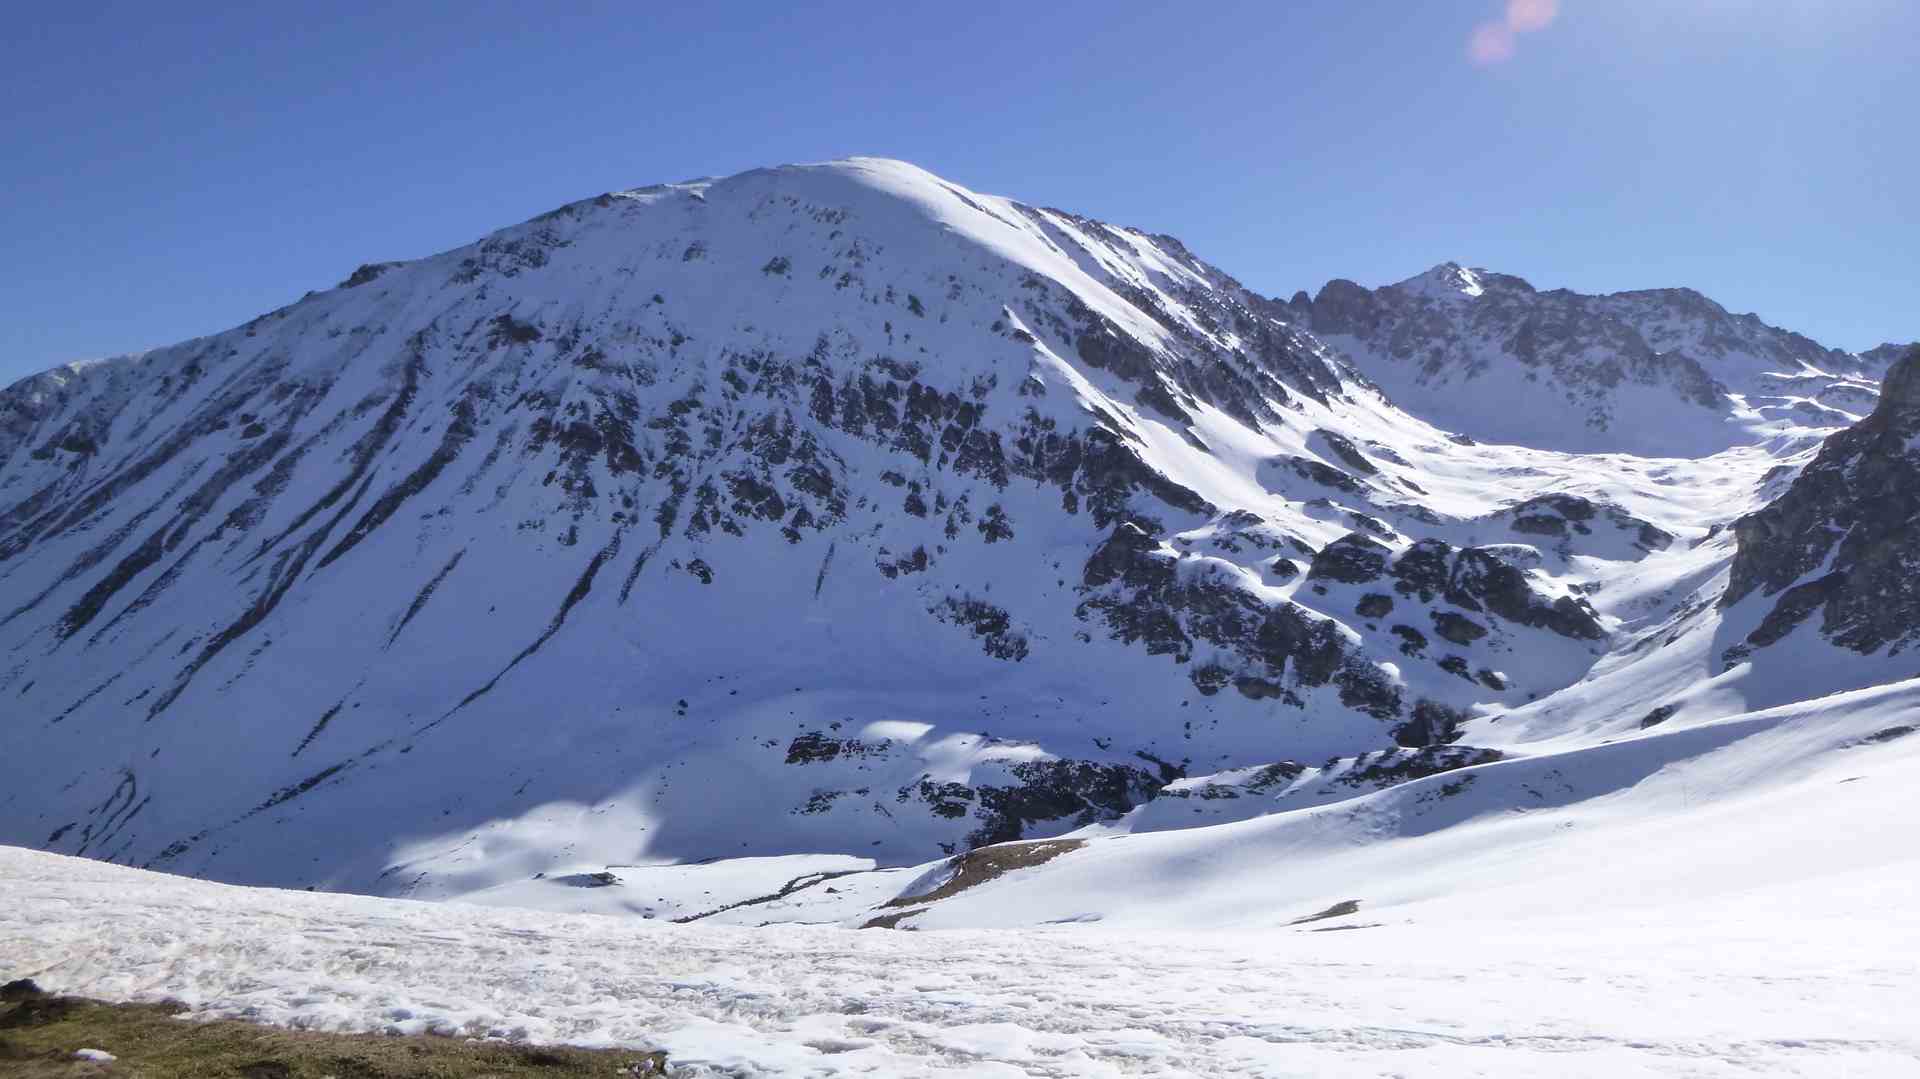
{"x":837,"y":517}
{"x":1658,"y":372}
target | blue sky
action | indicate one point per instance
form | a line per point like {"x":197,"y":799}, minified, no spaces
{"x":175,"y":170}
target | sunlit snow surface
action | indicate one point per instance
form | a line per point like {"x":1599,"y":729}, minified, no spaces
{"x":1784,"y":983}
{"x":1736,"y":898}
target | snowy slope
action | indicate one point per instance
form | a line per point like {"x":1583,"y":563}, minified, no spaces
{"x":1719,"y":901}
{"x":1779,"y":809}
{"x":1696,"y":989}
{"x":828,"y":520}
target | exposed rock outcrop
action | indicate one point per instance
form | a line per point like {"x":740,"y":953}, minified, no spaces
{"x":1483,"y":579}
{"x":1139,"y":592}
{"x":1844,"y":540}
{"x":1354,"y":558}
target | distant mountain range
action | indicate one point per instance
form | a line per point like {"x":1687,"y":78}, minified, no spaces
{"x":1659,"y":372}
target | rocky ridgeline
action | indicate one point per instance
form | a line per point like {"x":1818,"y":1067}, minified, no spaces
{"x":1842,"y":542}
{"x":1489,"y":354}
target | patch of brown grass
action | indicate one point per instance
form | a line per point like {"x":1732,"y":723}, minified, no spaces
{"x":39,"y":1034}
{"x":974,"y":868}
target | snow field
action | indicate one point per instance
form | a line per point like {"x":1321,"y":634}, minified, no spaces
{"x":1728,"y":991}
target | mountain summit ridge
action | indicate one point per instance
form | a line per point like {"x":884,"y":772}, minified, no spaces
{"x":1656,"y":372}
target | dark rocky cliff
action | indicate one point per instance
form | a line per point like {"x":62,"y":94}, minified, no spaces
{"x":1841,"y":542}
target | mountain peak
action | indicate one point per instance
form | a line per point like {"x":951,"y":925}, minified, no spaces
{"x":1451,"y":279}
{"x":814,"y":400}
{"x":1446,"y":279}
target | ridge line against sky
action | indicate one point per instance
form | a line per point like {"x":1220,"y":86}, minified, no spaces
{"x":177,"y":173}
